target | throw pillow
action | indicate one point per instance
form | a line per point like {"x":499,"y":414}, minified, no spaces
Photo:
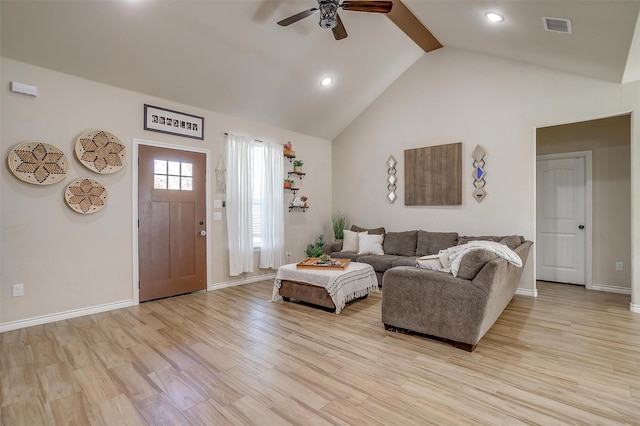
{"x":350,"y":241}
{"x":370,"y":243}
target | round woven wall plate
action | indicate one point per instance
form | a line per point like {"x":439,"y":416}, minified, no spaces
{"x":101,"y":151}
{"x":86,"y":195}
{"x":38,"y":163}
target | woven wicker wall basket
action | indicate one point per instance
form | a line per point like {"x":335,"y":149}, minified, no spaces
{"x":101,"y":151}
{"x":38,"y":163}
{"x":86,"y":195}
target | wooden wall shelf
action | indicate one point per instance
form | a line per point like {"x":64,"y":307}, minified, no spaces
{"x":300,"y":175}
{"x":294,"y":190}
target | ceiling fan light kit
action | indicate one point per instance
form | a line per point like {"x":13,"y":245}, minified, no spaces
{"x":328,"y":13}
{"x":329,"y":18}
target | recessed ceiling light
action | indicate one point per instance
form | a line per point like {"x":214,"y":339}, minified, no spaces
{"x":494,"y":17}
{"x":326,"y":81}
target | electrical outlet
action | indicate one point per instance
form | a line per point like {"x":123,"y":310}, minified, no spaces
{"x":289,"y":253}
{"x":18,"y":290}
{"x":619,"y":266}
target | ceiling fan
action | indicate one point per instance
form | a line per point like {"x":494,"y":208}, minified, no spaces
{"x":329,"y":17}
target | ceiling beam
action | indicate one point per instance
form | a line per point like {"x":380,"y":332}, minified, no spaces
{"x":411,"y":26}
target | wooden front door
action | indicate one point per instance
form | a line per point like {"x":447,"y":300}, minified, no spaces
{"x":171,"y":228}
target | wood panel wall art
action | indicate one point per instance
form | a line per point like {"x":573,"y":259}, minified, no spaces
{"x":433,"y":175}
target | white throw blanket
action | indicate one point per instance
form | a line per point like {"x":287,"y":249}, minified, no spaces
{"x":357,"y":280}
{"x":449,"y":260}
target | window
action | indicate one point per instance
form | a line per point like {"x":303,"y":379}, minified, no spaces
{"x":256,"y":193}
{"x":172,"y":175}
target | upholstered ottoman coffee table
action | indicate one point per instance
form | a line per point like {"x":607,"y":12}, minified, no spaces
{"x":328,"y":288}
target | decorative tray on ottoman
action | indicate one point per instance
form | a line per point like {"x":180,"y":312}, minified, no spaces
{"x":318,"y":263}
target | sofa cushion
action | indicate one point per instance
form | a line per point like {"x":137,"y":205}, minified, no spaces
{"x":329,"y":248}
{"x":465,"y":239}
{"x":377,"y":231}
{"x":380,"y":263}
{"x":351,"y":255}
{"x":404,"y":261}
{"x":370,"y":244}
{"x":401,"y":243}
{"x":511,"y":241}
{"x":432,"y":242}
{"x":473,"y":262}
{"x":350,"y":241}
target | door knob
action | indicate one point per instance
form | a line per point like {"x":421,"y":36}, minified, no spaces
{"x":203,"y":233}
{"x":581,"y":227}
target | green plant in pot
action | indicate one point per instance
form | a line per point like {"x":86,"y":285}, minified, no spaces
{"x":297,"y":166}
{"x":315,"y":249}
{"x":288,"y":183}
{"x":339,"y":222}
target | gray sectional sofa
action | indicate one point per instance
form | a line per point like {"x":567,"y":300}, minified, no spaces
{"x":436,"y":304}
{"x":400,"y":248}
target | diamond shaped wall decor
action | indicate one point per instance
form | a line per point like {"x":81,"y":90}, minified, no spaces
{"x":392,"y":179}
{"x":478,"y":174}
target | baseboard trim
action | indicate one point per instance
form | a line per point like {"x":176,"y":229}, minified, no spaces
{"x":244,"y":281}
{"x":44,"y":319}
{"x":527,"y":292}
{"x":634,"y":308}
{"x":609,"y":288}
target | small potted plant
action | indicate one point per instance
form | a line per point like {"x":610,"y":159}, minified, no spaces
{"x":297,"y":166}
{"x":315,"y":249}
{"x":288,"y":150}
{"x":288,"y":183}
{"x":339,"y":222}
{"x":304,"y":199}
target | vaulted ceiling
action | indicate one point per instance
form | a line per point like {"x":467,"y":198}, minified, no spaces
{"x":229,"y":56}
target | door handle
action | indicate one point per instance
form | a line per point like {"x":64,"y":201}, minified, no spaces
{"x":203,"y":233}
{"x":580,"y":226}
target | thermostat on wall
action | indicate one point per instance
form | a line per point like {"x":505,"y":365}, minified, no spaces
{"x":25,"y":89}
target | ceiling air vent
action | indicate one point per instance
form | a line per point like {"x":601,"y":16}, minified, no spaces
{"x":557,"y":25}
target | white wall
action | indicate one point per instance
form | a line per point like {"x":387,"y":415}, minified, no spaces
{"x":452,"y":96}
{"x":69,"y":261}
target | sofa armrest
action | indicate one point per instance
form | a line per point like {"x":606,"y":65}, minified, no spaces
{"x":329,"y":248}
{"x":433,"y":303}
{"x":500,"y":280}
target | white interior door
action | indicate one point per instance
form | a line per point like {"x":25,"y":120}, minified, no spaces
{"x":561,"y":214}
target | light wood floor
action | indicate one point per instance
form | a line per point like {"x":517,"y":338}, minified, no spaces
{"x":570,"y":356}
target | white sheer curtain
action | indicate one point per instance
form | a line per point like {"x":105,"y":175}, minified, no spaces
{"x":239,"y":185}
{"x":272,"y":208}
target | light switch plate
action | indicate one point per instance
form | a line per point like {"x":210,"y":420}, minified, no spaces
{"x":217,"y":204}
{"x":217,"y":216}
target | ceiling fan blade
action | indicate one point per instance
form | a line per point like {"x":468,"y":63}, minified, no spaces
{"x":298,"y":16}
{"x":368,"y":6}
{"x":407,"y":22}
{"x":339,"y":32}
